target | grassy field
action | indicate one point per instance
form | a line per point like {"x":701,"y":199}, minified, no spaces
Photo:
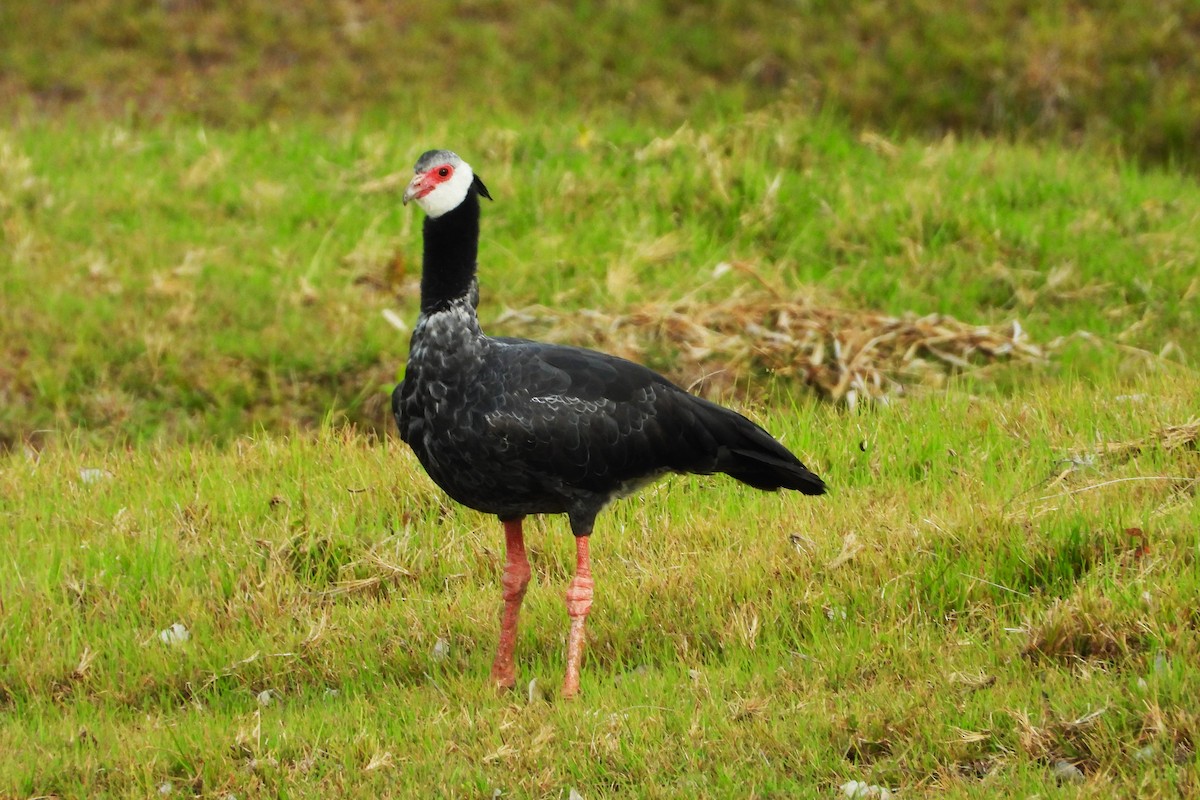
{"x":1002,"y":582}
{"x":184,"y":284}
{"x":966,"y":609}
{"x":225,"y":577}
{"x":1123,"y":75}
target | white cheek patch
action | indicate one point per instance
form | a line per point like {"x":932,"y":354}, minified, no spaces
{"x":447,"y":196}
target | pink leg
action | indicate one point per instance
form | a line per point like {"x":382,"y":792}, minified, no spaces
{"x":516,"y":578}
{"x":579,"y":603}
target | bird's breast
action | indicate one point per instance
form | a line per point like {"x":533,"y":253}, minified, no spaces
{"x":445,"y":381}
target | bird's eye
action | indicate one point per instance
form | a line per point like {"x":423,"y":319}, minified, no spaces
{"x":443,"y":172}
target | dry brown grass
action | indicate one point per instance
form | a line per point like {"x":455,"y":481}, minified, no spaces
{"x":846,"y":355}
{"x":1087,"y":629}
{"x":1168,"y":437}
{"x":1055,"y":740}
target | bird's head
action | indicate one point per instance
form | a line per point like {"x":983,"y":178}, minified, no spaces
{"x":442,"y":181}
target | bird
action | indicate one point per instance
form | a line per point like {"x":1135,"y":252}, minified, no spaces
{"x":512,"y":427}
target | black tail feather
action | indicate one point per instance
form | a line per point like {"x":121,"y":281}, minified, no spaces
{"x":763,"y":471}
{"x":753,"y":456}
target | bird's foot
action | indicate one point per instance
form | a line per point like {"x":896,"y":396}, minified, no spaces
{"x":504,"y":676}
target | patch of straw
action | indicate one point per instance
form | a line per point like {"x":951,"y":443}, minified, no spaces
{"x":846,"y":355}
{"x":386,"y":574}
{"x":1170,"y":437}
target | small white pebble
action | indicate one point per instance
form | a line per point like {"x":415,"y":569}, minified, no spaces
{"x":694,"y":674}
{"x":861,"y":790}
{"x":1066,"y":772}
{"x":175,"y":635}
{"x":90,"y":476}
{"x":441,"y":649}
{"x":165,"y":789}
{"x":574,"y":795}
{"x":1144,"y":753}
{"x":264,"y":697}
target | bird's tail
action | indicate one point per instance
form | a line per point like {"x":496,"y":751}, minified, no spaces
{"x":752,"y":456}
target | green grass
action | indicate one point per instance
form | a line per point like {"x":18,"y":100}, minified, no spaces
{"x":947,"y":613}
{"x":935,"y":624}
{"x":195,"y":262}
{"x":1124,"y":75}
{"x":177,"y":283}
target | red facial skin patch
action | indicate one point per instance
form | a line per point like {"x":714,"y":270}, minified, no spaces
{"x":435,"y":176}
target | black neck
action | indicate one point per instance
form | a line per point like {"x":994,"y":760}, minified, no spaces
{"x":451,"y":251}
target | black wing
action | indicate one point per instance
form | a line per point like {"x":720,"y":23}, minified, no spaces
{"x":597,"y":422}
